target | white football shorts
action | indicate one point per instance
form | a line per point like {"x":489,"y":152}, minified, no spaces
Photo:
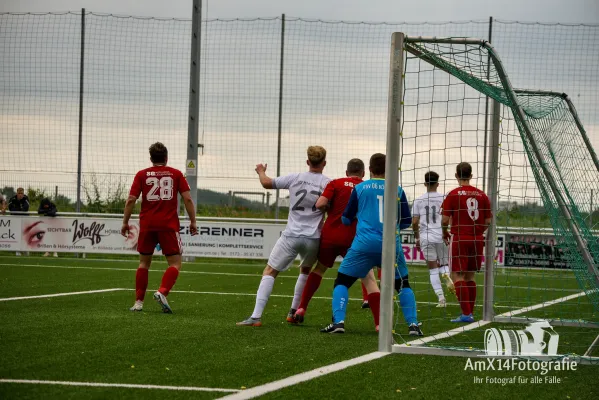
{"x":435,"y":252}
{"x":288,"y":248}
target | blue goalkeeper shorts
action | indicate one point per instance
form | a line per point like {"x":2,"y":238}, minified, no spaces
{"x":358,"y":263}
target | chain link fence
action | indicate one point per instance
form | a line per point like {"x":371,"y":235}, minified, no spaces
{"x":135,"y":91}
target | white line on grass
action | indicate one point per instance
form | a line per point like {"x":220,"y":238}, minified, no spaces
{"x":120,"y":385}
{"x":415,"y":268}
{"x":479,"y":324}
{"x":287,"y":296}
{"x":59,"y":294}
{"x":303,"y":377}
{"x":315,"y":373}
{"x":179,"y":291}
{"x":241,"y":274}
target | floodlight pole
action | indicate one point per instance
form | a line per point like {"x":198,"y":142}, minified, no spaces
{"x":491,"y":239}
{"x":80,"y":138}
{"x":194,"y":101}
{"x":487,"y":110}
{"x":280,"y":125}
{"x":394,"y":114}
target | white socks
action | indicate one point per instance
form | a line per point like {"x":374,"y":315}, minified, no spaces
{"x":299,"y":288}
{"x":436,"y":282}
{"x":264,"y":291}
{"x":444,"y":270}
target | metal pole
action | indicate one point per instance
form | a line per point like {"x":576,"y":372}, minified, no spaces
{"x":487,"y":110}
{"x":395,"y":108}
{"x":280,"y":111}
{"x":80,"y":143}
{"x":491,"y":239}
{"x":519,"y":114}
{"x":194,"y":101}
{"x":56,"y":192}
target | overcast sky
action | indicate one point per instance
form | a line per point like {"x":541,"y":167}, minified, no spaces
{"x":564,"y":11}
{"x":335,"y":93}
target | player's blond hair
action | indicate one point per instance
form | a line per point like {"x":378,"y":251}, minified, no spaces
{"x":316,"y":155}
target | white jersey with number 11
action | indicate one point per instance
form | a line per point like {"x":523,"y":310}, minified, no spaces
{"x":428,"y":208}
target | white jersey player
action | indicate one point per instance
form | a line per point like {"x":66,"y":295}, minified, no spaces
{"x":426,"y":223}
{"x":301,"y":235}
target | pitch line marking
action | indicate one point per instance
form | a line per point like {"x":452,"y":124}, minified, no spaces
{"x":245,"y":275}
{"x":177,"y":291}
{"x":303,"y":377}
{"x":419,"y":268}
{"x":287,"y":296}
{"x":60,"y":294}
{"x":119,"y":385}
{"x":479,"y":324}
{"x":315,"y":373}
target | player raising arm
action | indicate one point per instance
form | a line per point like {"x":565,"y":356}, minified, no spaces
{"x":366,"y":204}
{"x":335,"y":238}
{"x":426,"y":224}
{"x":470,"y":212}
{"x":159,"y":222}
{"x":301,"y":235}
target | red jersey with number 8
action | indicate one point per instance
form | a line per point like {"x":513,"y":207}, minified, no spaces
{"x":159,"y":186}
{"x":468,"y":207}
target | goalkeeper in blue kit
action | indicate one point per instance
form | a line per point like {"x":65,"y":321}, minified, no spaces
{"x":365,"y":253}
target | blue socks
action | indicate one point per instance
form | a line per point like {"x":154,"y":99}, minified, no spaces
{"x":340,"y":298}
{"x":407,"y":301}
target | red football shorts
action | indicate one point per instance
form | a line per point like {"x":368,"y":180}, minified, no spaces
{"x":466,"y":253}
{"x":170,"y":242}
{"x":328,"y":253}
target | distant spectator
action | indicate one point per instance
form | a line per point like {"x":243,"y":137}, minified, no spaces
{"x":19,"y":203}
{"x":48,"y":209}
{"x":2,"y":204}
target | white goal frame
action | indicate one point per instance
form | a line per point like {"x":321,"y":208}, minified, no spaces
{"x":393,"y":151}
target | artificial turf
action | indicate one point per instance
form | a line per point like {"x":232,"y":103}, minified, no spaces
{"x":94,"y":338}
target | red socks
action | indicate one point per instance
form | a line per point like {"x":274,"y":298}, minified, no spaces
{"x":168,"y":280}
{"x":463,"y":293}
{"x":364,"y":293}
{"x":312,"y":285}
{"x":471,"y":294}
{"x":374,"y":300}
{"x":141,"y":283}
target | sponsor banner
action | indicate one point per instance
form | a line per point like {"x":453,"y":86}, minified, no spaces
{"x":534,"y":251}
{"x":230,"y":240}
{"x":224,"y":239}
{"x":98,"y":235}
{"x":80,"y":235}
{"x":10,"y":233}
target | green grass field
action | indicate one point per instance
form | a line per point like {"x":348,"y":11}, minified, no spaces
{"x":92,"y":337}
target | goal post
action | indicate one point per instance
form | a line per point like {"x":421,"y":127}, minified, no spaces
{"x":539,"y":158}
{"x":390,"y":195}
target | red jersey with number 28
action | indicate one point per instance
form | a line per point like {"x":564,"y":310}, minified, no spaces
{"x":468,"y":207}
{"x":159,"y":186}
{"x":338,"y":192}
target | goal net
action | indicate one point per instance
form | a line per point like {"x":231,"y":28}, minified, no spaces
{"x":452,"y":101}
